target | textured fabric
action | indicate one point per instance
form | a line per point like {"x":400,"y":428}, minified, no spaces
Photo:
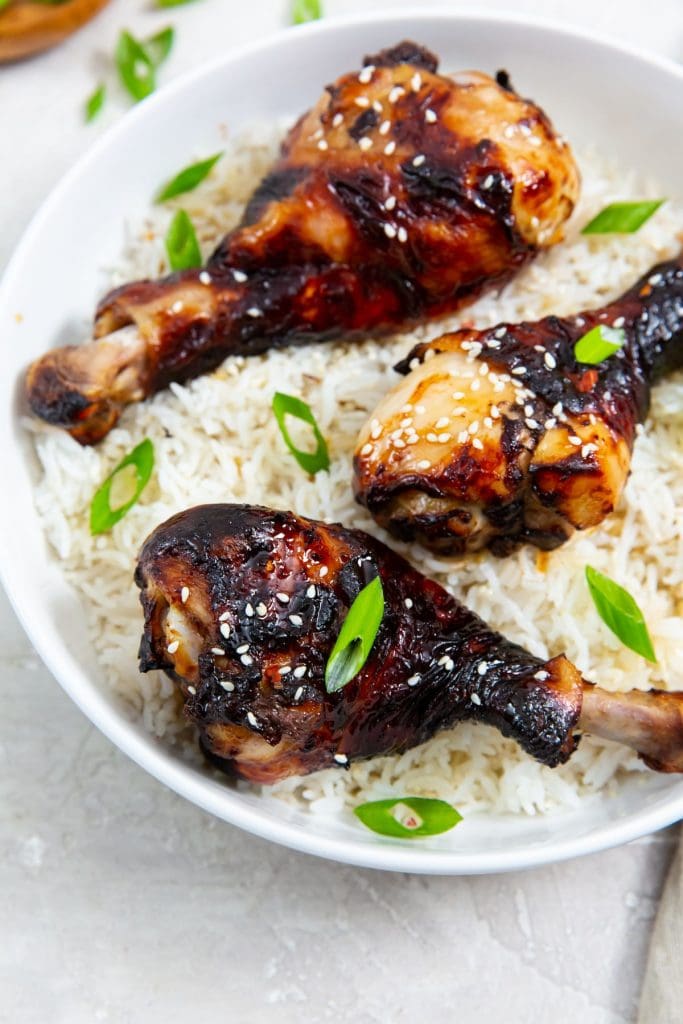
{"x":662,"y":998}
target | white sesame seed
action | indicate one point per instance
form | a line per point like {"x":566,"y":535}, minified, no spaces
{"x":299,"y":693}
{"x":462,"y":437}
{"x":285,"y":670}
{"x":323,"y":145}
{"x":402,"y":234}
{"x":495,"y":412}
{"x":488,"y":422}
{"x":442,"y":422}
{"x":311,"y":591}
{"x":366,"y":449}
{"x":204,"y":277}
{"x":337,"y":120}
{"x":500,"y":332}
{"x":251,"y":718}
{"x":296,"y":620}
{"x":473,"y":427}
{"x":484,"y":370}
{"x":431,"y":437}
{"x":424,"y":464}
{"x":396,"y":93}
{"x":390,"y":231}
{"x":476,"y":443}
{"x":640,"y":429}
{"x":475,"y":698}
{"x":532,"y":424}
{"x":430,"y":116}
{"x":576,"y":441}
{"x":443,"y":660}
{"x":408,"y":602}
{"x":341,"y":758}
{"x":557,"y":409}
{"x":398,"y":443}
{"x":227,"y":684}
{"x":246,"y":659}
{"x":419,"y":160}
{"x":261,"y":610}
{"x":390,"y":203}
{"x":414,"y":680}
{"x":509,"y":131}
{"x":443,"y":438}
{"x":475,"y":385}
{"x":324,"y":570}
{"x":482,"y":668}
{"x":488,"y":181}
{"x":184,"y":594}
{"x":225,"y":630}
{"x":249,"y":610}
{"x":282,"y":597}
{"x":420,"y":409}
{"x":217,"y":650}
{"x":542,"y":675}
{"x":385,"y":127}
{"x":254,"y":311}
{"x":242,"y":649}
{"x":377,"y":106}
{"x":549,"y":424}
{"x":587,"y":449}
{"x":300,"y":671}
{"x":416,"y":82}
{"x":655,"y":279}
{"x":173,"y":646}
{"x":239,"y":276}
{"x":450,"y":665}
{"x":362,"y":101}
{"x":519,"y":371}
{"x":550,"y":361}
{"x":619,"y":322}
{"x":192,"y":690}
{"x":365,"y":142}
{"x":366,"y":74}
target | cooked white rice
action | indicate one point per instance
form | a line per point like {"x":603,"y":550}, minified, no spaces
{"x":216,"y":440}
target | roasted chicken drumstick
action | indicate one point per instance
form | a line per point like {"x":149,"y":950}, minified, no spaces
{"x":400,"y":195}
{"x":243,"y":605}
{"x":500,"y":437}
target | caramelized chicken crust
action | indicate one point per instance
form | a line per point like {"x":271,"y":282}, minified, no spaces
{"x":400,"y":195}
{"x":500,"y":437}
{"x":242,"y":608}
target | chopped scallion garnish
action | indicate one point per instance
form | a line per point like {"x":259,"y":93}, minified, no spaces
{"x":160,"y":45}
{"x":289,"y":405}
{"x":306,"y":10}
{"x":620,"y":613}
{"x":122,"y":488}
{"x":622,"y":218}
{"x":356,"y":637}
{"x":181,"y":243}
{"x":187,"y":179}
{"x":172,"y":3}
{"x":94,"y":103}
{"x":598,"y":344}
{"x":408,"y":817}
{"x":135,"y":66}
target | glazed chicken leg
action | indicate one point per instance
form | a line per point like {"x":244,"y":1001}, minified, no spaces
{"x":500,"y":437}
{"x":400,"y":195}
{"x":243,"y":605}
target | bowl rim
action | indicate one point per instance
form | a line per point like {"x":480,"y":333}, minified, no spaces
{"x":143,"y":749}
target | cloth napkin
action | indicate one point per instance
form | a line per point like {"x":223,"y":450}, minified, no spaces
{"x":661,"y":1001}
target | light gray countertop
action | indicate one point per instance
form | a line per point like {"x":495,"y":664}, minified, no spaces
{"x":122,"y":903}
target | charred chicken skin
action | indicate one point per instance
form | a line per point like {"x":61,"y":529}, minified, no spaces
{"x":499,"y":437}
{"x":242,"y":607}
{"x":400,"y":195}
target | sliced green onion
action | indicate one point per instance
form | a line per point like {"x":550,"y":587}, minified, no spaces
{"x":288,"y":405}
{"x":356,"y":637}
{"x":122,"y":488}
{"x":160,"y":45}
{"x":4,"y":3}
{"x":306,"y":10}
{"x":94,"y":103}
{"x":598,"y":344}
{"x":187,"y":179}
{"x":172,"y":3}
{"x":622,"y":218}
{"x":408,"y":817}
{"x":620,"y":613}
{"x":135,"y":66}
{"x":181,"y":243}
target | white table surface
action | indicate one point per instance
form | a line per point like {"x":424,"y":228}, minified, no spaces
{"x":121,"y":903}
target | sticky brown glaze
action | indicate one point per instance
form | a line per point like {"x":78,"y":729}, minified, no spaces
{"x":400,"y":195}
{"x":500,"y":437}
{"x":242,"y":608}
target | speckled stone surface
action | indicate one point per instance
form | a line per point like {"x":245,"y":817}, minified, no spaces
{"x":121,"y":903}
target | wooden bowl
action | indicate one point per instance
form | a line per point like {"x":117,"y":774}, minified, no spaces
{"x":27,"y":27}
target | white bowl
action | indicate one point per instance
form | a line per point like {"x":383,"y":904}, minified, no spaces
{"x":594,"y":91}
